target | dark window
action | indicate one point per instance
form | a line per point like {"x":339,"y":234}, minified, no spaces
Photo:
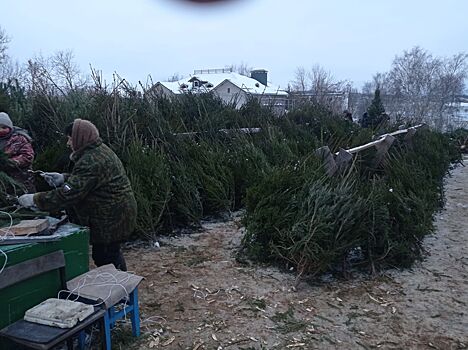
{"x":229,"y":90}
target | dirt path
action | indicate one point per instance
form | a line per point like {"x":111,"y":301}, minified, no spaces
{"x":196,"y":296}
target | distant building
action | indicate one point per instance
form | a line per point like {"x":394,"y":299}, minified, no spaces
{"x":458,"y":113}
{"x":334,"y":101}
{"x":231,"y":87}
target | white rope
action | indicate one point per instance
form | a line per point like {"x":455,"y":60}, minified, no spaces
{"x":103,"y":279}
{"x":7,"y":232}
{"x":5,"y":262}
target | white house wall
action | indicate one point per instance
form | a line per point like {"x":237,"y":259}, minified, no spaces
{"x":161,"y":90}
{"x":230,"y":93}
{"x":458,"y":115}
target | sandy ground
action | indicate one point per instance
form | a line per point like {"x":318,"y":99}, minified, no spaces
{"x":197,"y":296}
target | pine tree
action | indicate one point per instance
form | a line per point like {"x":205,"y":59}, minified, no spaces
{"x":376,"y":110}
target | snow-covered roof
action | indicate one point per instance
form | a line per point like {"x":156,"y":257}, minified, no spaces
{"x":458,"y":104}
{"x":210,"y":81}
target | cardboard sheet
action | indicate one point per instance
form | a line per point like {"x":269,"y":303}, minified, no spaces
{"x":58,"y":313}
{"x":29,"y":227}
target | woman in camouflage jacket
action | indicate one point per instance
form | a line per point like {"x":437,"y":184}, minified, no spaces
{"x":98,"y":190}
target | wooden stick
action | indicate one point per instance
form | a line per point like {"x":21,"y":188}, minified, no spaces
{"x":330,"y":164}
{"x":382,"y":138}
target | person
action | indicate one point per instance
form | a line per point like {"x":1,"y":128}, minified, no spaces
{"x":16,"y":144}
{"x":347,"y":115}
{"x":98,"y":190}
{"x":365,"y":122}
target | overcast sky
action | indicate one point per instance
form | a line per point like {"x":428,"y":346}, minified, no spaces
{"x":353,"y":39}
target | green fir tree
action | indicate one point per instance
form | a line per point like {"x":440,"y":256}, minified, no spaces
{"x":376,"y":110}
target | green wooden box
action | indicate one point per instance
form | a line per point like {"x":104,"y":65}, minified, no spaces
{"x":16,"y":299}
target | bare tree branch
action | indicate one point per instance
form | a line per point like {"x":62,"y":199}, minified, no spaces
{"x":420,"y":87}
{"x":4,"y":40}
{"x":300,"y":80}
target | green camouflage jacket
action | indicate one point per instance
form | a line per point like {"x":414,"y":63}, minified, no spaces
{"x":99,"y":192}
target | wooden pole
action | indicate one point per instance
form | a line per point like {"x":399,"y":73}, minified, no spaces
{"x":382,"y":149}
{"x":343,"y":159}
{"x":329,"y":163}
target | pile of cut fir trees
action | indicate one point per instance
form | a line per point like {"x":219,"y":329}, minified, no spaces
{"x":370,"y":215}
{"x":460,"y":138}
{"x":183,"y":168}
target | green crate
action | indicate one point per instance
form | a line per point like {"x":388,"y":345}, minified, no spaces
{"x":16,"y":299}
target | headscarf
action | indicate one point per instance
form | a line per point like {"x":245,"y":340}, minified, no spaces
{"x":83,"y":134}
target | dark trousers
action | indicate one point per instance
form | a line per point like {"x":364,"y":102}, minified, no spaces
{"x":110,"y":253}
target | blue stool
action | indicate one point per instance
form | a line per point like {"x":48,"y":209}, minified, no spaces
{"x":98,"y":286}
{"x":128,"y":308}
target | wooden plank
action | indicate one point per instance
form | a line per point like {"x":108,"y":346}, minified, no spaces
{"x":30,"y":268}
{"x":382,"y":139}
{"x":382,"y":149}
{"x":329,"y":162}
{"x":342,"y":159}
{"x":409,"y":136}
{"x":363,"y":147}
{"x":29,"y":227}
{"x":30,"y":239}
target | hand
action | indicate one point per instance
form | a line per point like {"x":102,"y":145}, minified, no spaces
{"x":27,"y":201}
{"x":54,"y":179}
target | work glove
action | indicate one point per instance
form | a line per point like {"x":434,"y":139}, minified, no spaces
{"x":27,"y":200}
{"x":54,"y":179}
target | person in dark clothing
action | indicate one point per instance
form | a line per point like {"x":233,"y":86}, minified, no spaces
{"x":98,"y":190}
{"x":365,"y":122}
{"x":348,"y":116}
{"x":15,"y":143}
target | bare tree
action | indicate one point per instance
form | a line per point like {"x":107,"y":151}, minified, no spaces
{"x":40,"y":77}
{"x":175,"y":77}
{"x":4,"y":40}
{"x":450,"y":83}
{"x":322,"y":84}
{"x":425,"y":86}
{"x":379,"y":80}
{"x":243,"y":68}
{"x":57,"y":74}
{"x":65,"y":71}
{"x":420,"y":87}
{"x":12,"y":71}
{"x":319,"y":86}
{"x":412,"y":80}
{"x":300,"y":80}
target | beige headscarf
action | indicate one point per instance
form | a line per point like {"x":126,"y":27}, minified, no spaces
{"x":84,"y":133}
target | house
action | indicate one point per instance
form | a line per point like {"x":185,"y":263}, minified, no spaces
{"x":458,"y":113}
{"x":334,"y":101}
{"x":230,"y":87}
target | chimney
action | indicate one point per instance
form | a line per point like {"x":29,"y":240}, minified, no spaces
{"x":260,"y":75}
